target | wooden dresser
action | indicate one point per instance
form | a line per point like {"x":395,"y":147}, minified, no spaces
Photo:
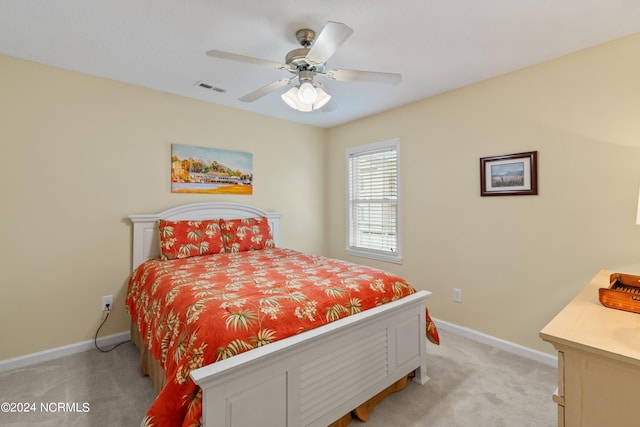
{"x":598,"y":361}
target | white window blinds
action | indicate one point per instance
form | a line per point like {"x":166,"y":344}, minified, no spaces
{"x":372,"y":192}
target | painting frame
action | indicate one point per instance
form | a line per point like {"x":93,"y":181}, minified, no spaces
{"x":509,"y":175}
{"x":208,"y":170}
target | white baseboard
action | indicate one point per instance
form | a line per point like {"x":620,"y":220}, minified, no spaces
{"x":55,"y":353}
{"x":46,"y":355}
{"x":518,"y":349}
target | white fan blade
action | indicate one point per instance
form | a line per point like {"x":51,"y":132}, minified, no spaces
{"x":265,"y":90}
{"x":247,"y":59}
{"x":327,"y":42}
{"x":363,"y":76}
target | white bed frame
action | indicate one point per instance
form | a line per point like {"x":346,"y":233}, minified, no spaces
{"x":310,"y":379}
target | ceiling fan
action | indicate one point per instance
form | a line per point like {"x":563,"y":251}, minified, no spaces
{"x":306,"y":63}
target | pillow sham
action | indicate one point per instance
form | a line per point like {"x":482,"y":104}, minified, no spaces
{"x":246,"y":234}
{"x":183,"y":239}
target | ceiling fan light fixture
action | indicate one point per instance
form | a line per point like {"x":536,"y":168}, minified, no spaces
{"x":305,"y":108}
{"x":322,"y":99}
{"x":290,"y":97}
{"x":307,"y":94}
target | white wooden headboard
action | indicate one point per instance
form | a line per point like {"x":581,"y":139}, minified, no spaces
{"x":146,"y":244}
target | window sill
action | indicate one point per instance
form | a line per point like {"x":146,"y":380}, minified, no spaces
{"x":378,"y":256}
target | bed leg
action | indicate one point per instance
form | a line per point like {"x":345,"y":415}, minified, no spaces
{"x":421,"y":376}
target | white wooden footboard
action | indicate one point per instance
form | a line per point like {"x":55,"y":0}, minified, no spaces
{"x":314,"y":378}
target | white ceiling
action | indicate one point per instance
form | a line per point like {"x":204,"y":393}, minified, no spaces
{"x":437,"y":46}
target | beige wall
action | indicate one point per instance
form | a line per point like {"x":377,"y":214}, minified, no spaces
{"x":518,"y":260}
{"x":81,"y":153}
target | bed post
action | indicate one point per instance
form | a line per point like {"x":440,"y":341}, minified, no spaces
{"x":421,"y":373}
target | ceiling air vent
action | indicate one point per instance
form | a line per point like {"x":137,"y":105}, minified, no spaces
{"x":208,"y":86}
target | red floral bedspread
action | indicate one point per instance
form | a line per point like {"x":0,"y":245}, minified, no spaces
{"x":194,"y":311}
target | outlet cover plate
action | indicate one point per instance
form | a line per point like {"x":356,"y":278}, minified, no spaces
{"x":107,"y":299}
{"x":457,"y":295}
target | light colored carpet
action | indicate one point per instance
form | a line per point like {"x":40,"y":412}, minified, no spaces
{"x":471,"y":384}
{"x":109,"y":382}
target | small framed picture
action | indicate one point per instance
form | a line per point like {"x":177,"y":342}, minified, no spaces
{"x":509,"y":175}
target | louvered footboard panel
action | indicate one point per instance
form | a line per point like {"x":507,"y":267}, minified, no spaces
{"x":326,"y":383}
{"x":314,"y":378}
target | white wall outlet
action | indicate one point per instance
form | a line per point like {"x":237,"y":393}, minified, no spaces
{"x":107,"y":300}
{"x":457,"y":295}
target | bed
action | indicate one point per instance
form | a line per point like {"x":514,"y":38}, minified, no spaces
{"x":319,"y":364}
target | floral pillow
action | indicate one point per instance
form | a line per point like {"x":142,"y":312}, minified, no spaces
{"x":246,"y":234}
{"x":183,"y":239}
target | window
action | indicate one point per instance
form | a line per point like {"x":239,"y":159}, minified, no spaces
{"x":373,"y":200}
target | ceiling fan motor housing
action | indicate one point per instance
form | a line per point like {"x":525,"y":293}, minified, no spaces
{"x":305,"y":76}
{"x":297,"y":57}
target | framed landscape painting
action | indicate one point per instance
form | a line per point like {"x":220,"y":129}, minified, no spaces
{"x":509,"y":175}
{"x":210,"y":170}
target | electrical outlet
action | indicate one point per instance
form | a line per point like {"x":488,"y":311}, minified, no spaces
{"x":107,"y":300}
{"x":457,"y":295}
